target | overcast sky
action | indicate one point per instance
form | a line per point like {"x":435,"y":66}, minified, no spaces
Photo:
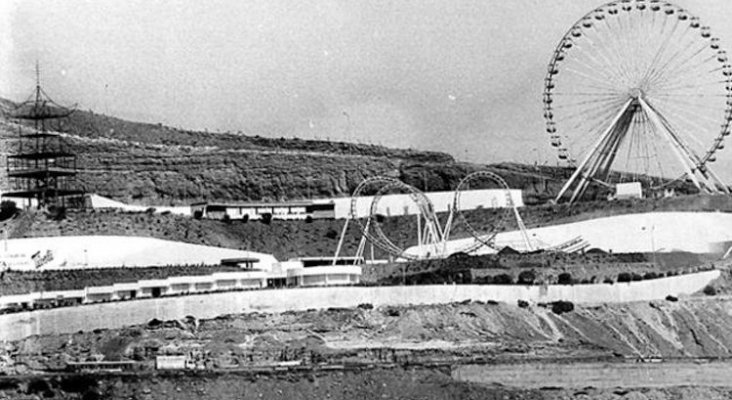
{"x":463,"y":77}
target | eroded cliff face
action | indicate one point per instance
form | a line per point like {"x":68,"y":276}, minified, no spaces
{"x":154,"y":164}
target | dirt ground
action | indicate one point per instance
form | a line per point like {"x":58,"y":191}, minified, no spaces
{"x":410,"y":383}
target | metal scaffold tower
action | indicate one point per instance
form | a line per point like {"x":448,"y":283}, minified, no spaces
{"x":39,"y":166}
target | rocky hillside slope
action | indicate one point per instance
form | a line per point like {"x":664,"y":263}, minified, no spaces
{"x":143,"y":163}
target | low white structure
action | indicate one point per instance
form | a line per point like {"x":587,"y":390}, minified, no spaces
{"x":631,"y":190}
{"x":332,"y":275}
{"x":340,"y":207}
{"x":77,"y":252}
{"x":98,"y":202}
{"x":402,"y":204}
{"x":152,"y":288}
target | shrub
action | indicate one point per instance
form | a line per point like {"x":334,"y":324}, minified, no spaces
{"x":309,"y":219}
{"x":266,"y":218}
{"x":672,"y":298}
{"x":527,"y":277}
{"x":565,"y":278}
{"x":608,"y":280}
{"x":8,"y":209}
{"x":392,"y":312}
{"x":636,"y":277}
{"x":523,"y":304}
{"x":710,"y":290}
{"x":366,"y":306}
{"x":245,"y":218}
{"x":198,"y":214}
{"x":331,"y":234}
{"x":503,"y":279}
{"x":624,"y":277}
{"x":226,"y":219}
{"x":57,"y":213}
{"x":650,"y":275}
{"x":561,"y":307}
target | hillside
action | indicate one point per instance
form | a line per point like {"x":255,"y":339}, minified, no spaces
{"x":155,"y":164}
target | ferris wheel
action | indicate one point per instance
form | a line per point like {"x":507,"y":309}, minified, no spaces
{"x":638,"y":91}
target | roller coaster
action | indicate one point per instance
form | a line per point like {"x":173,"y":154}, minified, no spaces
{"x":432,"y":234}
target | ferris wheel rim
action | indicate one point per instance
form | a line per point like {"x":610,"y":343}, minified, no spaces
{"x":565,"y":46}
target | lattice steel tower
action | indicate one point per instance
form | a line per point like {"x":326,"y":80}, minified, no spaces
{"x":40,"y":167}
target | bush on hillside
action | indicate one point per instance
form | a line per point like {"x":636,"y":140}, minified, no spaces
{"x":503,"y":279}
{"x":8,"y":209}
{"x":624,"y":277}
{"x":565,"y":278}
{"x":710,"y":290}
{"x":527,"y":277}
{"x":561,"y":307}
{"x":650,"y":275}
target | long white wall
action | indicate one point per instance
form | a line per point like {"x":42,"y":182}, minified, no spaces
{"x":66,"y":252}
{"x":402,"y":204}
{"x":695,"y":232}
{"x":116,"y":315}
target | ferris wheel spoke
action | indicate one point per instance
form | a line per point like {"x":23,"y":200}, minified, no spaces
{"x":606,"y":63}
{"x":689,"y":125}
{"x":684,"y":104}
{"x":673,"y":65}
{"x":659,"y":54}
{"x":592,"y":94}
{"x":603,"y":101}
{"x":680,"y":135}
{"x":589,"y":115}
{"x":710,"y":79}
{"x":598,"y":67}
{"x":674,"y":57}
{"x":585,"y":142}
{"x":691,"y":70}
{"x":599,"y":82}
{"x":617,"y":51}
{"x":654,"y":141}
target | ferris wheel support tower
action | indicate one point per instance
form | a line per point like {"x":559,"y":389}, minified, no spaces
{"x":639,"y":91}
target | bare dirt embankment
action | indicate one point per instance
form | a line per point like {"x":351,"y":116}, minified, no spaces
{"x":398,"y":336}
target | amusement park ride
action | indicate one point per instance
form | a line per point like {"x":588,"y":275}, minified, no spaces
{"x":638,"y":90}
{"x":432,"y":235}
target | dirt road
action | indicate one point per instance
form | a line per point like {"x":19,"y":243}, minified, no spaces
{"x":599,"y":375}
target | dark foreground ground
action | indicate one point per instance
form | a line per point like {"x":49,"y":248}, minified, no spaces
{"x":401,"y":383}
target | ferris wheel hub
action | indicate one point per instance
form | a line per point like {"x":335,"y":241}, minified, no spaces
{"x":636,"y":93}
